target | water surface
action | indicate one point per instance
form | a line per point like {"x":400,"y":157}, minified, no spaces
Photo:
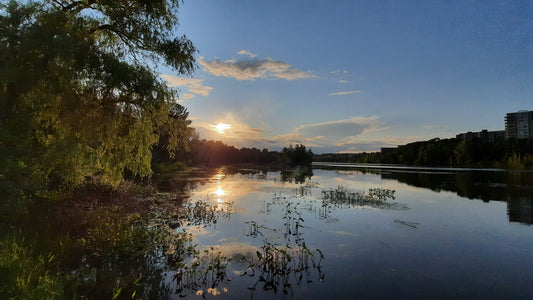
{"x":346,"y":232}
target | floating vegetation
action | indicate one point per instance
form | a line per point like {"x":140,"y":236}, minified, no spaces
{"x":375,"y":197}
{"x":410,"y":224}
{"x":298,"y":191}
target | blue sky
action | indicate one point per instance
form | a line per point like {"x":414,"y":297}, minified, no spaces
{"x":352,"y":76}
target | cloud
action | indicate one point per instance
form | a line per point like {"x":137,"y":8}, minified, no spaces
{"x":188,"y":96}
{"x":340,"y":129}
{"x":246,"y":52}
{"x":344,"y":93}
{"x":339,"y":72}
{"x":194,"y":85}
{"x":239,"y":134}
{"x":343,"y":81}
{"x":253,"y":69}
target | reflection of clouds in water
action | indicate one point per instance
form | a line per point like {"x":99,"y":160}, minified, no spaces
{"x":196,"y":231}
{"x":331,"y":220}
{"x":225,"y":189}
{"x":236,"y":251}
{"x":345,"y":233}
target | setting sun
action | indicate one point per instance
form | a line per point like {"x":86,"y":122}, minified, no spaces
{"x":220,"y":127}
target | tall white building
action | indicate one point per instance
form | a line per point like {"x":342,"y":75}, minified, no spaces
{"x":519,"y":125}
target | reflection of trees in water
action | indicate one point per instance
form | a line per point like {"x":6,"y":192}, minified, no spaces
{"x":298,"y":174}
{"x":131,"y":258}
{"x":514,"y":187}
{"x":473,"y":184}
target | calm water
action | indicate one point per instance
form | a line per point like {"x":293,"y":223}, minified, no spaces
{"x":347,"y":232}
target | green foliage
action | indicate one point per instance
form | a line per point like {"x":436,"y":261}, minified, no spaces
{"x":77,"y":95}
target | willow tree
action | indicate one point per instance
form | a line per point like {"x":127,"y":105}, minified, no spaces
{"x":79,"y":91}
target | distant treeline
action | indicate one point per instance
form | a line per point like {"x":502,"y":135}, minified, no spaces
{"x":215,"y":152}
{"x":509,"y":153}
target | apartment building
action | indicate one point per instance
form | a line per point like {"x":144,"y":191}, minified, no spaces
{"x":519,"y":125}
{"x":489,"y":136}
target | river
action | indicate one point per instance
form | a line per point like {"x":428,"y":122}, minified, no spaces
{"x":359,"y":231}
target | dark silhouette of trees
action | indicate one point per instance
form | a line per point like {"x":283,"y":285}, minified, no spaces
{"x":296,"y":155}
{"x":216,"y":152}
{"x":510,"y":153}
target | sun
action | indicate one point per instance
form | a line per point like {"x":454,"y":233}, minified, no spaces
{"x":220,"y":127}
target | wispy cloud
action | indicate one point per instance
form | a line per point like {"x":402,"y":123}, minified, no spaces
{"x":253,"y":69}
{"x":343,"y":93}
{"x":187,"y":96}
{"x":246,"y":52}
{"x":338,"y":130}
{"x":194,"y":85}
{"x":339,"y":72}
{"x":343,"y":81}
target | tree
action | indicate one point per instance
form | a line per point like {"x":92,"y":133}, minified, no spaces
{"x":79,"y":94}
{"x":296,"y":155}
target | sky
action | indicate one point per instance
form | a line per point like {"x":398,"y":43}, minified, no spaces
{"x":354,"y":76}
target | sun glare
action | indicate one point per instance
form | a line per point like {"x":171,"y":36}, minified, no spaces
{"x":220,"y":127}
{"x":220,"y":192}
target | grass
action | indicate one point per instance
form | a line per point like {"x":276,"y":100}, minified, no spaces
{"x":23,"y":275}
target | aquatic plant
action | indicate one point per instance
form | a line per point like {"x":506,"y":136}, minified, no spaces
{"x":375,"y":197}
{"x":204,"y":272}
{"x":280,"y":267}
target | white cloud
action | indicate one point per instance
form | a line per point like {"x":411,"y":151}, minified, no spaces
{"x":343,"y":81}
{"x":194,"y":85}
{"x":253,"y":69}
{"x":187,"y":96}
{"x":246,"y":52}
{"x":334,"y":136}
{"x":343,"y":93}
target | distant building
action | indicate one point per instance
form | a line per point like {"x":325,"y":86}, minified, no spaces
{"x":387,"y":150}
{"x":489,"y":136}
{"x":519,"y":125}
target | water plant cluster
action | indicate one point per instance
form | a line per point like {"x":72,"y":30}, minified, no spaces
{"x":375,"y":197}
{"x":279,"y":267}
